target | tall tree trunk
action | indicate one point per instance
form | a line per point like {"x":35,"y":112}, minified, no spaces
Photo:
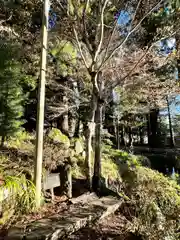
{"x":88,"y":135}
{"x":74,"y":115}
{"x":131,"y":140}
{"x":78,"y":127}
{"x":95,"y":100}
{"x":122,"y":136}
{"x":117,"y":136}
{"x":130,"y":135}
{"x":97,"y":160}
{"x":40,"y":108}
{"x":154,"y":138}
{"x":117,"y":131}
{"x":132,"y":146}
{"x":79,"y":123}
{"x":170,"y":124}
{"x":65,"y":117}
{"x":2,"y":141}
{"x":148,"y":128}
{"x":177,"y":36}
{"x":72,"y":125}
{"x":141,"y":135}
{"x":110,"y":123}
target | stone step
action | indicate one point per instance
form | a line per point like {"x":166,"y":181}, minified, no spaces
{"x":75,"y":218}
{"x":84,"y":198}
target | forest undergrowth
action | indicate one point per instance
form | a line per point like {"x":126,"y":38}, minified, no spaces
{"x":151,"y":206}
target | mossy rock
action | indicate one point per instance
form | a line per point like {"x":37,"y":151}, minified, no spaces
{"x":58,"y":137}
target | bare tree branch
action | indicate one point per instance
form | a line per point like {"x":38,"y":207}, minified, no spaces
{"x":80,"y":49}
{"x":102,"y":31}
{"x":130,"y":33}
{"x":8,"y":29}
{"x":10,"y":17}
{"x":58,"y":87}
{"x":109,"y":42}
{"x":85,"y":28}
{"x":60,"y":110}
{"x":60,"y":4}
{"x":137,"y":8}
{"x":122,"y":80}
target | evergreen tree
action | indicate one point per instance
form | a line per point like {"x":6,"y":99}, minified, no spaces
{"x":11,"y":94}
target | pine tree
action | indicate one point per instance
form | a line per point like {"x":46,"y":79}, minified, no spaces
{"x":11,"y":95}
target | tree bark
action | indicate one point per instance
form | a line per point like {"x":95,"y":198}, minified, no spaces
{"x":77,"y":132}
{"x":177,"y":36}
{"x":170,"y":124}
{"x":72,"y":125}
{"x":96,"y":101}
{"x":153,"y":138}
{"x":122,"y":136}
{"x":2,"y":141}
{"x":117,"y":131}
{"x":117,"y":136}
{"x":74,"y":114}
{"x":109,"y":122}
{"x":148,"y":128}
{"x":68,"y":181}
{"x":80,"y":127}
{"x":97,"y":160}
{"x":65,"y":120}
{"x":88,"y":135}
{"x":130,"y":136}
{"x":141,"y":135}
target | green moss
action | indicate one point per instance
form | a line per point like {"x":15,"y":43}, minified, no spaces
{"x":110,"y":169}
{"x":3,"y":159}
{"x":56,"y":136}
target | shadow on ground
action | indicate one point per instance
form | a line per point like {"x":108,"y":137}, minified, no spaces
{"x":79,"y":187}
{"x":94,"y":234}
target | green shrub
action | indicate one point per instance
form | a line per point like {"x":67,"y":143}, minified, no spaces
{"x":154,"y":204}
{"x":78,"y":166}
{"x":110,"y":169}
{"x":22,"y":141}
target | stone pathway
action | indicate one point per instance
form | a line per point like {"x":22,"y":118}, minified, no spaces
{"x":76,"y":217}
{"x":111,"y":228}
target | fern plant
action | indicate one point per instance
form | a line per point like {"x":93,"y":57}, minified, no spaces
{"x":17,"y":194}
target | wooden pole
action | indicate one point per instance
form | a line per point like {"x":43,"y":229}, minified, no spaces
{"x":40,"y":105}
